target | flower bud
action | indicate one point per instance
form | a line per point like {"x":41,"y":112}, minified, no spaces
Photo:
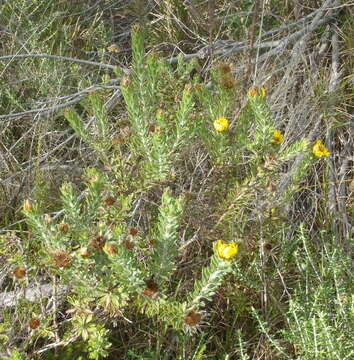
{"x":252,"y":92}
{"x":27,"y":205}
{"x":64,"y":228}
{"x":84,"y":252}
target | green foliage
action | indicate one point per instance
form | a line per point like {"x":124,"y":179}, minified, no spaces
{"x":212,"y":278}
{"x":158,"y":135}
{"x":166,"y":245}
{"x":320,"y":316}
{"x":125,"y":243}
{"x":17,"y":356}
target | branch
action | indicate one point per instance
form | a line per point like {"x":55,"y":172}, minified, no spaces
{"x":57,"y":57}
{"x":77,"y":97}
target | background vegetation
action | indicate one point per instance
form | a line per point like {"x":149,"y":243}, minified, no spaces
{"x":116,"y":185}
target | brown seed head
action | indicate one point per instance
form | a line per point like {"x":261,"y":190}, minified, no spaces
{"x":193,"y":318}
{"x":112,"y":249}
{"x":228,"y":83}
{"x":19,"y":272}
{"x":110,"y":200}
{"x":114,"y":48}
{"x":64,"y":228}
{"x":117,"y":141}
{"x":224,"y":68}
{"x":268,"y":246}
{"x":129,"y":245}
{"x":34,"y":323}
{"x":48,"y":219}
{"x":62,"y":259}
{"x":271,"y":187}
{"x":151,"y":289}
{"x":98,"y":242}
{"x":151,"y":129}
{"x":125,"y":82}
{"x":133,"y":231}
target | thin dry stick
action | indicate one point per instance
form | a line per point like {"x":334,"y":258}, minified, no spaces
{"x":255,"y":16}
{"x":57,"y":57}
{"x":333,"y":198}
{"x":77,"y":97}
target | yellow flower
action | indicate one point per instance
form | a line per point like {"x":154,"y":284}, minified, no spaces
{"x":319,"y":150}
{"x":263,"y":92}
{"x":226,"y":251}
{"x":278,"y":137}
{"x":221,"y":124}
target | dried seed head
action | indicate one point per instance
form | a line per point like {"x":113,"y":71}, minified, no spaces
{"x":268,"y":246}
{"x":98,"y":242}
{"x":64,"y":228}
{"x":125,"y":82}
{"x":34,"y":323}
{"x":62,"y":259}
{"x":112,"y":249}
{"x":271,"y":187}
{"x":117,"y":141}
{"x":151,"y":129}
{"x":110,"y":200}
{"x":188,"y":88}
{"x":152,"y":243}
{"x":193,"y":318}
{"x":228,"y":83}
{"x":19,"y":272}
{"x":151,"y":289}
{"x":224,"y":68}
{"x":133,"y":231}
{"x":129,"y":245}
